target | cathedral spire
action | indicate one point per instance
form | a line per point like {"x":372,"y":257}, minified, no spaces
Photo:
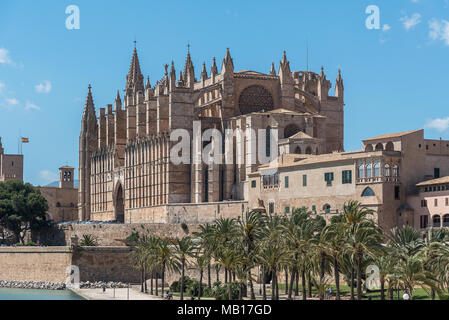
{"x":228,"y":63}
{"x":213,"y":69}
{"x":272,"y":71}
{"x":118,"y":101}
{"x":339,"y":78}
{"x":134,"y":79}
{"x":189,"y":71}
{"x":89,"y":107}
{"x":148,"y":84}
{"x":204,"y":72}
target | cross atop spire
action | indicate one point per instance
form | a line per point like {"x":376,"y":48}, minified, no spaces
{"x":89,"y":108}
{"x":134,"y":79}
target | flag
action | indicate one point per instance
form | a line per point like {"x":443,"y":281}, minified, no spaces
{"x":25,"y":140}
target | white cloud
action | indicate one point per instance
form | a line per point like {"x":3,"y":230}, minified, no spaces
{"x":44,"y":87}
{"x":439,"y":124}
{"x":439,"y":30}
{"x":386,"y":27}
{"x":48,"y":175}
{"x":410,"y":22}
{"x":31,"y":106}
{"x":12,"y":101}
{"x":4,"y":56}
{"x":2,"y":85}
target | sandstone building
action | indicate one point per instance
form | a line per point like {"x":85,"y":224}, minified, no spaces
{"x":11,"y":165}
{"x":62,"y":200}
{"x":125,"y":173}
{"x":393,"y":175}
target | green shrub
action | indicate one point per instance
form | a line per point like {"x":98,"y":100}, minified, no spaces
{"x":220,"y":291}
{"x":89,"y":241}
{"x":133,"y":237}
{"x":30,"y":244}
{"x":176,"y":285}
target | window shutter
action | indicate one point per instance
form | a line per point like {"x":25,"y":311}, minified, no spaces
{"x":350,"y":176}
{"x":343,"y":180}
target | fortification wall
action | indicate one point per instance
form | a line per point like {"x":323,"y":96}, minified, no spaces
{"x":49,"y":264}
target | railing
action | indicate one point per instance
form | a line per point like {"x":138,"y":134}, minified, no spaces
{"x":378,"y":180}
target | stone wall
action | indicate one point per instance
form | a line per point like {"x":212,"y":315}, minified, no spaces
{"x":49,"y":264}
{"x":113,"y":234}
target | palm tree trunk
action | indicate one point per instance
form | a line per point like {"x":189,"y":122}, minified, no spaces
{"x":322,"y":261}
{"x":292,"y":281}
{"x":359,"y":276}
{"x":226,"y":275}
{"x":309,"y":284}
{"x":145,"y":281}
{"x":303,"y":280}
{"x":286,"y":280}
{"x":157,"y":284}
{"x":240,"y":291}
{"x":251,"y":286}
{"x":297,"y":282}
{"x":151,"y":287}
{"x":337,"y":278}
{"x":141,"y":279}
{"x":352,"y":283}
{"x":390,"y":293}
{"x":264,"y":289}
{"x":209,"y":281}
{"x":277,"y":286}
{"x":182,"y":279}
{"x":382,"y":289}
{"x":230,"y":286}
{"x":163,"y":279}
{"x":201,"y":284}
{"x":217,"y":270}
{"x":432,"y":294}
{"x":273,"y":285}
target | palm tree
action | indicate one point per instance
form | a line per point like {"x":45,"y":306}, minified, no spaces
{"x":364,"y":240}
{"x":166,"y":260}
{"x":225,"y":232}
{"x":251,"y":230}
{"x":184,"y":249}
{"x":202,"y":261}
{"x":230,"y":259}
{"x":140,"y":257}
{"x":207,"y":245}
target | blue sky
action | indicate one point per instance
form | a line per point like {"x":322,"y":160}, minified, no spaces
{"x":395,"y":78}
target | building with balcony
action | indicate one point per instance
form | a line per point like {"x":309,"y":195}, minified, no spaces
{"x":384,"y":176}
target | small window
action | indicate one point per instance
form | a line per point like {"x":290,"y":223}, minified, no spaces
{"x":446,"y":220}
{"x":424,"y":222}
{"x":304,"y":180}
{"x":329,"y":177}
{"x":346,"y":177}
{"x":369,"y":171}
{"x":436,"y":221}
{"x":395,"y":170}
{"x":253,"y":184}
{"x":435,"y":203}
{"x":327,"y":208}
{"x":287,"y":209}
{"x":271,"y":207}
{"x":436,"y":173}
{"x":397,"y":193}
{"x":314,"y":208}
{"x":361,"y":172}
{"x":377,"y":170}
{"x":447,"y":201}
{"x":423,"y":203}
{"x":286,"y":182}
{"x":368,"y":192}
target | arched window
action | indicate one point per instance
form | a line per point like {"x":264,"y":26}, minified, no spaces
{"x":309,"y":150}
{"x":327,"y":208}
{"x":298,"y":150}
{"x":368,"y":192}
{"x":58,"y":205}
{"x":395,"y":170}
{"x":361,"y":171}
{"x":389,"y":146}
{"x":268,"y":142}
{"x":377,"y":170}
{"x":369,"y":171}
{"x":446,"y":220}
{"x":436,"y":221}
{"x":379,"y":147}
{"x":387,"y":170}
{"x":368,"y":148}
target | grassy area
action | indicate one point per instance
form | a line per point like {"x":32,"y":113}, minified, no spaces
{"x":418,"y":294}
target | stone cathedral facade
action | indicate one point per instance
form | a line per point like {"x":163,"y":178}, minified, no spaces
{"x":125,"y":172}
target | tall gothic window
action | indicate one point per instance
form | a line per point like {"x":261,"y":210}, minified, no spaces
{"x":395,"y":170}
{"x":369,"y":171}
{"x":361,"y":171}
{"x":268,"y":142}
{"x":387,"y":170}
{"x":377,"y":170}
